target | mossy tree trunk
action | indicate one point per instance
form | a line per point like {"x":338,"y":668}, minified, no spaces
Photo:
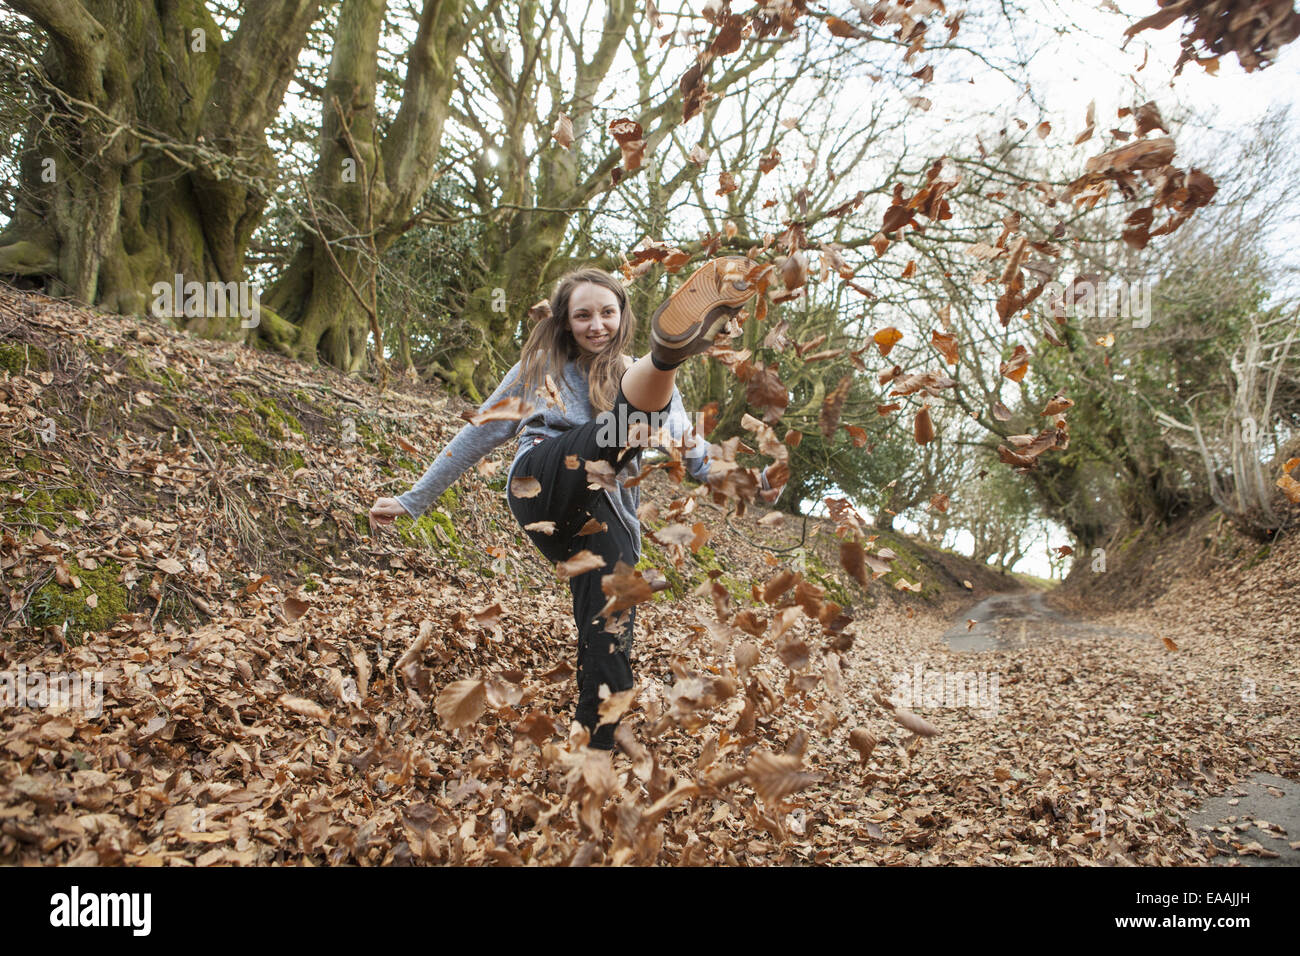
{"x":365,"y":184}
{"x":150,"y":164}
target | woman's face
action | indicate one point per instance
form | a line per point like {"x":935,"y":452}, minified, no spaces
{"x":594,"y":316}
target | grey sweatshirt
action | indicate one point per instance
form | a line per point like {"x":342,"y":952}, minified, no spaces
{"x":473,"y":442}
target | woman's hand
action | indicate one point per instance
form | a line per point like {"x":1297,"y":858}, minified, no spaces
{"x":770,"y":496}
{"x":384,"y":510}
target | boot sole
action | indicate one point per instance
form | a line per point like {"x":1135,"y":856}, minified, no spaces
{"x":677,"y":322}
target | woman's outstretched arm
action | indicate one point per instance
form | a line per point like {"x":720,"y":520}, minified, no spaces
{"x":469,"y":446}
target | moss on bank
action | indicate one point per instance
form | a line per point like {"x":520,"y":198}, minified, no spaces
{"x":52,"y":604}
{"x":16,"y":357}
{"x":48,"y":508}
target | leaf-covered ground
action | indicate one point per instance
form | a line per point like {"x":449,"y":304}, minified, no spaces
{"x":282,"y":686}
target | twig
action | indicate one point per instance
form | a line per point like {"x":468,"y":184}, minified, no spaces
{"x":206,"y":457}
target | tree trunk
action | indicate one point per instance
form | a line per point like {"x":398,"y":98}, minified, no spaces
{"x":147,"y":169}
{"x":363,"y":186}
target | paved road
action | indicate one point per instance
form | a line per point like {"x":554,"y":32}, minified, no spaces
{"x":1009,"y":621}
{"x":1263,"y":799}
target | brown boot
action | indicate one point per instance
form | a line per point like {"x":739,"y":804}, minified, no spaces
{"x":698,"y":311}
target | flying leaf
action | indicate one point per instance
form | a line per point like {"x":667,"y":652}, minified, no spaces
{"x":917,"y":725}
{"x":863,"y":742}
{"x":510,"y":409}
{"x":563,"y":131}
{"x":628,"y":135}
{"x":833,"y":406}
{"x":525,"y":487}
{"x":613,"y":707}
{"x":580,"y":563}
{"x":746,"y":654}
{"x":626,"y":587}
{"x":853,"y":560}
{"x":303,"y":707}
{"x":1015,"y":367}
{"x":947,"y":344}
{"x":886,"y":339}
{"x":774,"y":776}
{"x":461,"y":703}
{"x":1058,"y":404}
{"x":1291,"y":488}
{"x":794,"y":270}
{"x":922,"y":427}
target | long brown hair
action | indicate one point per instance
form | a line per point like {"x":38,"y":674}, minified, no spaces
{"x":551,"y":344}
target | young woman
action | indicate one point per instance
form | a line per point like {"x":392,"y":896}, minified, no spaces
{"x":581,"y":347}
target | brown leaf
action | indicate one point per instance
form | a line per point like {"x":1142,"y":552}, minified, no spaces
{"x":537,"y":727}
{"x":580,"y":563}
{"x":746,"y":654}
{"x":461,"y":703}
{"x":525,"y":487}
{"x":626,"y":587}
{"x":833,"y":406}
{"x":853,"y":560}
{"x":304,"y":707}
{"x":842,"y":28}
{"x":509,"y":409}
{"x":562,"y":133}
{"x":613,"y":707}
{"x":794,"y":270}
{"x":922,"y":427}
{"x":1015,"y":367}
{"x":886,"y":339}
{"x":917,"y":725}
{"x":1147,"y":116}
{"x":600,"y":475}
{"x":774,"y":776}
{"x":946,"y":344}
{"x":794,"y":653}
{"x":778,"y":584}
{"x":863,"y":742}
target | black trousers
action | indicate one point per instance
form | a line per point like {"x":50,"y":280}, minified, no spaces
{"x":604,"y":656}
